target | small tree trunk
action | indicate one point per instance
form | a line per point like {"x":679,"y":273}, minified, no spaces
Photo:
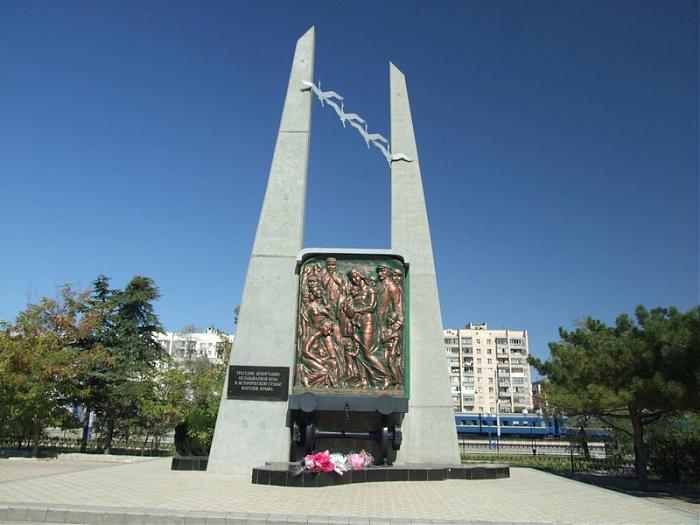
{"x":109,"y":435}
{"x":35,"y":439}
{"x":584,"y":442}
{"x":86,"y":431}
{"x":145,"y":443}
{"x":640,"y":451}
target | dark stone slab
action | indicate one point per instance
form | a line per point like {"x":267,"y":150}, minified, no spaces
{"x":379,"y":474}
{"x":397,"y":474}
{"x":456,"y":473}
{"x":263,"y":477}
{"x":358,"y":476}
{"x":417,"y":474}
{"x":478,"y":473}
{"x":287,"y":475}
{"x":189,"y":463}
{"x":278,"y":477}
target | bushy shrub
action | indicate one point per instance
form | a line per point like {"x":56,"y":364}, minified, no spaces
{"x":193,"y":437}
{"x":674,"y":449}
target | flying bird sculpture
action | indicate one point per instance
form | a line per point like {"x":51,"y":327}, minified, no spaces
{"x":323,"y":96}
{"x":349,"y":116}
{"x":374,"y":136}
{"x":355,"y":120}
{"x":386,"y":151}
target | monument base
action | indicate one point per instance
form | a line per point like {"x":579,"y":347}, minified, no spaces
{"x":290,"y":475}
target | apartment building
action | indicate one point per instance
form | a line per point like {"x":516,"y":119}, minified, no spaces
{"x":191,"y":346}
{"x":488,"y":369}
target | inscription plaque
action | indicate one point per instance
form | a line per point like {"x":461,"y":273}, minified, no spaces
{"x":261,"y":383}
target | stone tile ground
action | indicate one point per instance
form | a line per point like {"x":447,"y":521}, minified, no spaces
{"x":149,"y":492}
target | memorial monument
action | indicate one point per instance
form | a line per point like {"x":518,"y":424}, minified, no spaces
{"x":338,"y":348}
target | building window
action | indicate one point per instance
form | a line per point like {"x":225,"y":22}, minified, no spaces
{"x":488,"y":351}
{"x":501,"y":341}
{"x":466,"y":340}
{"x":478,"y":360}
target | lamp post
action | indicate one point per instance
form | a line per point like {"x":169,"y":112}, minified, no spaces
{"x":539,"y":416}
{"x":532,"y":429}
{"x":498,"y":411}
{"x":532,"y":437}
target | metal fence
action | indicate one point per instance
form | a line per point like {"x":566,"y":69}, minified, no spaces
{"x":527,"y":447}
{"x":575,"y":462}
{"x":49,"y":445}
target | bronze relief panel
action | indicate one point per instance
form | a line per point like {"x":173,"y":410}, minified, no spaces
{"x":351,"y":325}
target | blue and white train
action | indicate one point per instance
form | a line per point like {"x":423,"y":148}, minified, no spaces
{"x":518,"y":425}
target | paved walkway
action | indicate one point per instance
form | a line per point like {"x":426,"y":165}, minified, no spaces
{"x":82,"y":490}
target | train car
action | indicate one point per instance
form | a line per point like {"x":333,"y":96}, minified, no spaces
{"x":515,"y":425}
{"x":518,"y":425}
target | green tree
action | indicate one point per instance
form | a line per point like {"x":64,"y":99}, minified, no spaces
{"x":37,"y":370}
{"x":162,"y":403}
{"x":134,"y":353}
{"x":93,"y":386}
{"x":635,"y":371}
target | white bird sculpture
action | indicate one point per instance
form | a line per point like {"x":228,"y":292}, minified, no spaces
{"x":373,"y":137}
{"x":356,"y":121}
{"x":400,"y":156}
{"x":323,"y":96}
{"x":349,"y":116}
{"x":386,"y":151}
{"x":335,"y":106}
{"x":361,"y":129}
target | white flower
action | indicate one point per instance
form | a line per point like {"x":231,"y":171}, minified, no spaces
{"x":339,"y":462}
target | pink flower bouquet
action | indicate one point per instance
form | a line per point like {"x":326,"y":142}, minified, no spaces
{"x":327,"y":462}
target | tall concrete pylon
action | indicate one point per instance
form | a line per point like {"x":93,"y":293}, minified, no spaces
{"x":249,"y":432}
{"x":429,"y":428}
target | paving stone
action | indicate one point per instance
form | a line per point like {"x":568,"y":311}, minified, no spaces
{"x":338,"y":520}
{"x":318,"y":520}
{"x":36,"y":512}
{"x":217,"y":518}
{"x":196,"y":517}
{"x":277,"y":518}
{"x":256,"y":518}
{"x":164,"y":517}
{"x":119,"y":493}
{"x":236,"y":518}
{"x":16,"y":512}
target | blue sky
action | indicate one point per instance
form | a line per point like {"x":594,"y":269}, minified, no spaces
{"x":558,"y":145}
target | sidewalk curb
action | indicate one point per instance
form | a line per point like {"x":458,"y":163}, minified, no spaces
{"x":99,"y":515}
